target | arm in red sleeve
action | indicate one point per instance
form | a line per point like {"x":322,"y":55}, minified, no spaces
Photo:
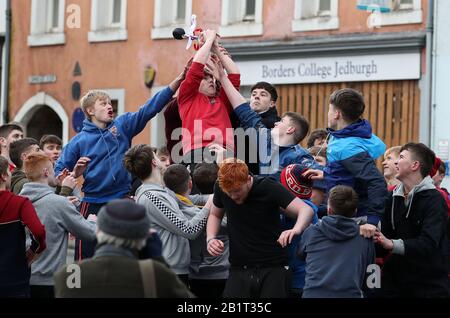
{"x":189,"y":87}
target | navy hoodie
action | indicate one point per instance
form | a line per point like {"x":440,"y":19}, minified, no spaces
{"x":351,"y":156}
{"x":336,"y":257}
{"x":106,"y":178}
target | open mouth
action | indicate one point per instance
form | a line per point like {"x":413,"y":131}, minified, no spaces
{"x":111,"y":113}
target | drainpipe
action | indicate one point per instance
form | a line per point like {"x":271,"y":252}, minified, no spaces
{"x":429,"y":73}
{"x":6,"y":68}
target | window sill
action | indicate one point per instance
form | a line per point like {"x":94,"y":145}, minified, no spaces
{"x":108,"y":35}
{"x":46,"y":39}
{"x":315,"y":24}
{"x":405,"y":17}
{"x":241,"y":29}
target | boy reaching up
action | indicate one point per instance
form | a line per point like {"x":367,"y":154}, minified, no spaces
{"x":97,"y":151}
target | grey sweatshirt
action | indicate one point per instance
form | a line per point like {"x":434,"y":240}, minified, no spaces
{"x":203,"y":265}
{"x":59,"y":217}
{"x":173,"y":227}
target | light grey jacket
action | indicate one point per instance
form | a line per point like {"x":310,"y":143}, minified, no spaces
{"x":203,"y":265}
{"x":173,"y":227}
{"x":59,"y":217}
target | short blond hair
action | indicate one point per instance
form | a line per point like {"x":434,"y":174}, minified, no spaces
{"x":393,"y":151}
{"x":89,"y":99}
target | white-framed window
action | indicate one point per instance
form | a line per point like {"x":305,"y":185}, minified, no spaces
{"x":170,"y":14}
{"x":108,"y":21}
{"x":403,"y":12}
{"x":241,"y":18}
{"x":47,"y":23}
{"x":312,"y":15}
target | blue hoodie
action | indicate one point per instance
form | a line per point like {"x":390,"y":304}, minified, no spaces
{"x":351,"y":156}
{"x":336,"y":258}
{"x":106,"y":178}
{"x":275,"y":158}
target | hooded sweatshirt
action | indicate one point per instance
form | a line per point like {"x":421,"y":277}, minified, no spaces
{"x":203,"y":265}
{"x":417,"y":226}
{"x":59,"y":217}
{"x":336,"y":257}
{"x":351,"y":155}
{"x":173,"y":227}
{"x":16,"y":213}
{"x":106,"y":178}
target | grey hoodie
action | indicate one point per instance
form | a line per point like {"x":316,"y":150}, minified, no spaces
{"x":203,"y":265}
{"x":336,"y":258}
{"x":173,"y":227}
{"x":59,"y":217}
{"x":426,"y":184}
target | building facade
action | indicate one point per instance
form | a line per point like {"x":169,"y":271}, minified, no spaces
{"x":440,"y":129}
{"x":308,"y":48}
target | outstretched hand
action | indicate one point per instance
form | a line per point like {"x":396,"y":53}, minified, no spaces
{"x":80,"y":166}
{"x":313,"y":174}
{"x":286,"y":237}
{"x":215,"y":67}
{"x":380,"y":239}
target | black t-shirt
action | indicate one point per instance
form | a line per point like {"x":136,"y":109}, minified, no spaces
{"x":254,"y":227}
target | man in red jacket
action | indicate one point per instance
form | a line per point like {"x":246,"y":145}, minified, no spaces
{"x":16,"y":212}
{"x":204,"y":114}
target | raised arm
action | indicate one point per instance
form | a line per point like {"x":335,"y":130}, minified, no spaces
{"x":225,"y":58}
{"x":304,"y":214}
{"x":203,"y":54}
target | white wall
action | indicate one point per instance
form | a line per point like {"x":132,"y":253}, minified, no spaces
{"x":2,"y":17}
{"x":441,"y":117}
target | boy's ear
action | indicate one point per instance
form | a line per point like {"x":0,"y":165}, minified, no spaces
{"x":272,"y":104}
{"x":290,"y":130}
{"x":90,"y":110}
{"x":329,"y":211}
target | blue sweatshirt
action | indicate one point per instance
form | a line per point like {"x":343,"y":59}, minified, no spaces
{"x":351,"y":156}
{"x":336,"y":258}
{"x":273,"y":158}
{"x":106,"y":178}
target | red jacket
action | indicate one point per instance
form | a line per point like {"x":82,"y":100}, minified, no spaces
{"x":16,"y":213}
{"x":197,"y":111}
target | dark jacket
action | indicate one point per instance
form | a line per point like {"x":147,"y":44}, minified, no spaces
{"x":419,"y":226}
{"x":18,"y":179}
{"x":114,"y":273}
{"x":336,"y":257}
{"x":351,"y":155}
{"x":268,"y":118}
{"x":16,"y":213}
